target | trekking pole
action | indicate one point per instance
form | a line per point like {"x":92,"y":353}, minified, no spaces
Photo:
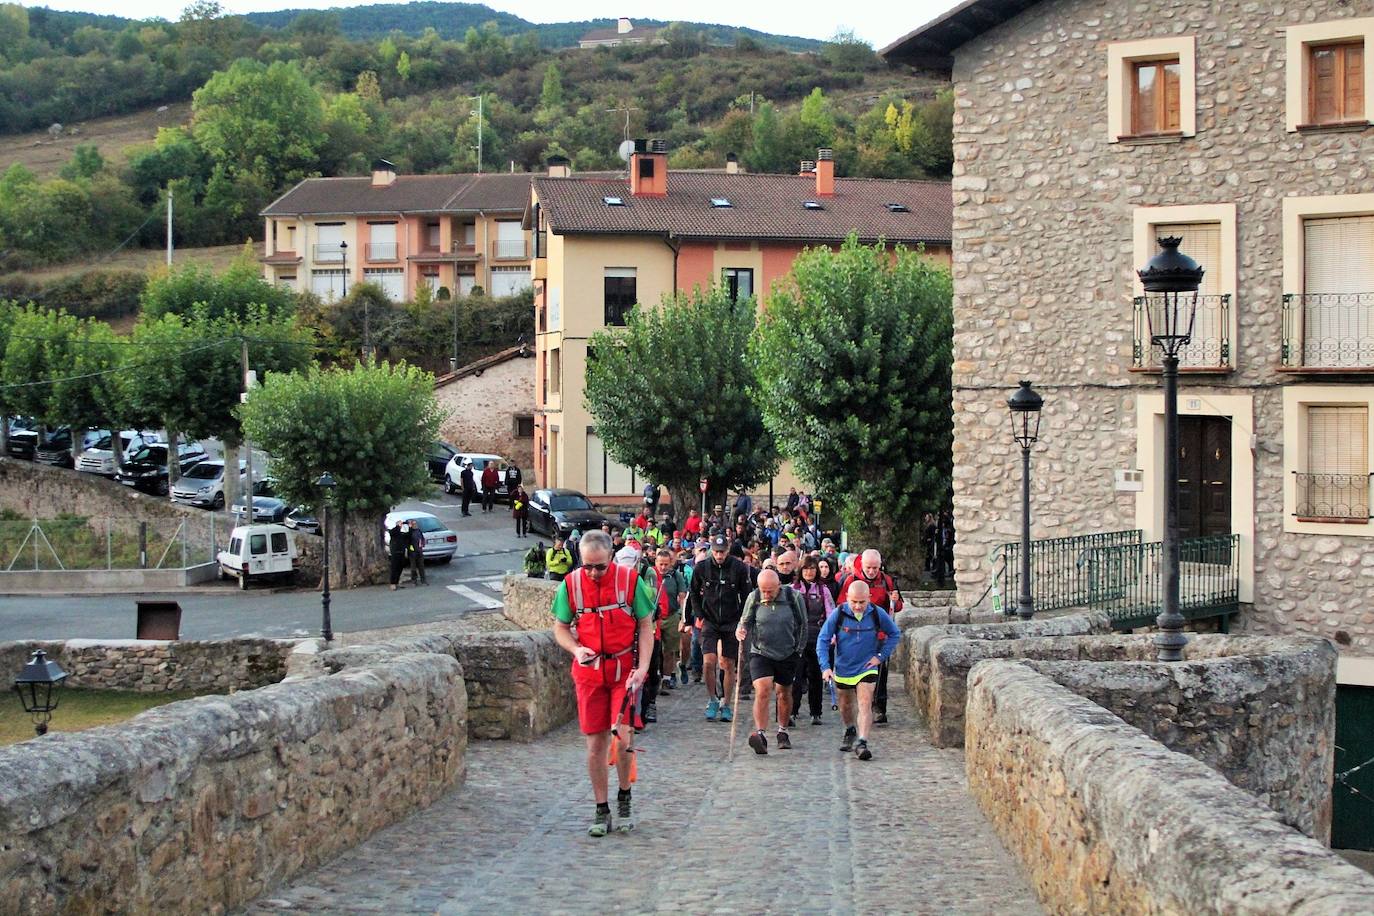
{"x":613,"y":755}
{"x":734,"y":720}
{"x":834,"y":703}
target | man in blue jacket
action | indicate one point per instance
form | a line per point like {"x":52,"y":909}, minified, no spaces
{"x":864,"y":637}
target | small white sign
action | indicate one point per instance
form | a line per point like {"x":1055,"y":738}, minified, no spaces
{"x":1130,"y":481}
{"x":1192,"y":404}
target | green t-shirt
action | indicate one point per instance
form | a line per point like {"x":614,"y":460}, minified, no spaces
{"x":642,"y":605}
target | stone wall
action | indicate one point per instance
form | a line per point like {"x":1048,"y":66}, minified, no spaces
{"x":527,"y":602}
{"x":153,"y":665}
{"x":40,"y":491}
{"x":202,"y":805}
{"x":483,"y":410}
{"x":1107,"y":820}
{"x":1043,"y":274}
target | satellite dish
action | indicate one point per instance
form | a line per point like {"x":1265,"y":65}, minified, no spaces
{"x":626,"y":150}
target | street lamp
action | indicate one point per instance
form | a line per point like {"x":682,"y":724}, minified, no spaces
{"x":35,"y":688}
{"x":1025,"y":406}
{"x":343,"y":256}
{"x":326,"y":484}
{"x":1171,"y":282}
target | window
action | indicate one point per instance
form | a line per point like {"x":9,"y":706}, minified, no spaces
{"x":1154,"y":97}
{"x":382,"y":244}
{"x":613,"y":201}
{"x":507,"y":281}
{"x":555,"y":369}
{"x":432,"y":236}
{"x":391,"y":280}
{"x":1208,"y":234}
{"x":287,"y":281}
{"x":738,"y":282}
{"x":1335,"y":83}
{"x":257,"y":544}
{"x":524,"y":427}
{"x":621,"y":294}
{"x":812,"y":205}
{"x":328,"y":284}
{"x":1326,"y":459}
{"x":465,"y":284}
{"x":897,"y":208}
{"x":646,"y":167}
{"x":1328,"y":282}
{"x":279,"y":542}
{"x":721,"y":202}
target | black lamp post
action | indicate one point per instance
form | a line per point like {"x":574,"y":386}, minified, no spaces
{"x":1025,"y":406}
{"x":343,"y":256}
{"x":326,"y":484}
{"x":1171,"y":282}
{"x":35,"y":688}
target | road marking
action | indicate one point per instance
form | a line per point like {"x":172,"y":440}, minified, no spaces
{"x":476,"y":597}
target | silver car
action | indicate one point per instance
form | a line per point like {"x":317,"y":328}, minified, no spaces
{"x":440,"y":542}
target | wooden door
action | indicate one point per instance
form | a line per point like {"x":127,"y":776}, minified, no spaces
{"x":1204,"y":476}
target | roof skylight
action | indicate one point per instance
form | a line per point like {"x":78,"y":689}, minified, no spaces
{"x":812,"y":205}
{"x":721,"y":202}
{"x":613,"y":201}
{"x":898,"y":208}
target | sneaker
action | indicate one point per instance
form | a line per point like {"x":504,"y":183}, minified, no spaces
{"x":861,"y":750}
{"x":712,"y":709}
{"x":759,"y":742}
{"x":667,"y":683}
{"x":815,"y":720}
{"x":850,"y":734}
{"x":650,"y":712}
{"x":624,"y":820}
{"x":725,"y":714}
{"x":880,"y":718}
{"x":682,"y":674}
{"x":784,"y":742}
{"x":602,"y":824}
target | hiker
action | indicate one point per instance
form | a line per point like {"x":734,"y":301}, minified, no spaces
{"x":398,"y":547}
{"x":417,"y":555}
{"x":513,"y":478}
{"x":819,"y":604}
{"x":604,"y":619}
{"x":774,"y":618}
{"x":651,"y":495}
{"x":867,"y":568}
{"x":558,"y":560}
{"x":674,"y":595}
{"x":668,"y":587}
{"x":534,"y":561}
{"x":719,"y":586}
{"x":863,"y":638}
{"x":469,"y":484}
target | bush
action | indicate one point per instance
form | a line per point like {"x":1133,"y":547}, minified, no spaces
{"x":103,"y":294}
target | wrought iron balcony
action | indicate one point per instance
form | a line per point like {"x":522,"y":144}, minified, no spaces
{"x":510,"y":249}
{"x":1335,"y":497}
{"x":381,"y":251}
{"x":1328,"y":330}
{"x":329,"y":253}
{"x":1211,"y":343}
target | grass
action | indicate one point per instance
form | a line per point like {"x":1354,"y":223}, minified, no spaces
{"x":44,"y":155}
{"x":81,"y":709}
{"x":73,"y":542}
{"x":216,"y":257}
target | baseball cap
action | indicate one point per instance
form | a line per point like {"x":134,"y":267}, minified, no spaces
{"x":720,"y":542}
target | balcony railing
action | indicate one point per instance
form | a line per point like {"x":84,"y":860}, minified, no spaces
{"x":1328,"y":330}
{"x":1129,"y":579}
{"x":1338,"y":497}
{"x":381,"y":251}
{"x":1059,"y":577}
{"x":510,"y":249}
{"x":1211,"y":343}
{"x":541,"y":244}
{"x":329,"y":253}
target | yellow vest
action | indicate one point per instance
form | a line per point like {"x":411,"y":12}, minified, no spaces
{"x":558,"y":561}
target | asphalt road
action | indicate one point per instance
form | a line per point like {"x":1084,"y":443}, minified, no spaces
{"x":487,"y":550}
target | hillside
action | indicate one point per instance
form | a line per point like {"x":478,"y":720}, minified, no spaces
{"x":44,"y":153}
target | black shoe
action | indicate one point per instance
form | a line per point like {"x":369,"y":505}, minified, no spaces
{"x":784,"y":742}
{"x":759,"y":743}
{"x":816,"y":720}
{"x":880,"y":718}
{"x":650,"y":712}
{"x":850,"y":734}
{"x":862,"y":752}
{"x":624,"y":820}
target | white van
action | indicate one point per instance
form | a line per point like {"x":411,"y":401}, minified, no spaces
{"x":259,"y":552}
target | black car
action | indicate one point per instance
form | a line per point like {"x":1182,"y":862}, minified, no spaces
{"x":439,"y":455}
{"x":56,"y":449}
{"x":559,"y":511}
{"x":146,"y":469}
{"x":23,"y":443}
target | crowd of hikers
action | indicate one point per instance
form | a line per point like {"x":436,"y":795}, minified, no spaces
{"x":753,"y":604}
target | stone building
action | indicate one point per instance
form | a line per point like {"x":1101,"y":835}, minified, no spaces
{"x":1083,"y":131}
{"x":491,"y":406}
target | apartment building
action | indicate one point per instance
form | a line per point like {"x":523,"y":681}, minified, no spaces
{"x":452,"y":233}
{"x":624,"y":33}
{"x":606,"y":245}
{"x":1084,"y":130}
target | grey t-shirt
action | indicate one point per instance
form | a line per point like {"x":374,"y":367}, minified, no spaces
{"x":778,"y":627}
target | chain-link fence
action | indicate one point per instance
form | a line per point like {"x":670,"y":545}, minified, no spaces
{"x":75,"y":542}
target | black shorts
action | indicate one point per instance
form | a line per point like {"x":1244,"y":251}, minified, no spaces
{"x":782,"y":672}
{"x":729,"y":646}
{"x":869,"y":678}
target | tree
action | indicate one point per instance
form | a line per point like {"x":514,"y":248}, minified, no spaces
{"x":403,"y":66}
{"x":35,"y":353}
{"x":86,"y":395}
{"x":370,"y":426}
{"x":690,"y":412}
{"x":86,"y":161}
{"x":231,"y":294}
{"x":766,"y":154}
{"x":551,"y":92}
{"x":853,"y":363}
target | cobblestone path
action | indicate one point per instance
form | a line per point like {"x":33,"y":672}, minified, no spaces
{"x":810,"y":830}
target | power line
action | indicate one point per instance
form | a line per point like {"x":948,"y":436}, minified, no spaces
{"x":112,"y":370}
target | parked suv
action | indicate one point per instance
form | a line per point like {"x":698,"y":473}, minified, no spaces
{"x":453,"y":480}
{"x":146,"y":468}
{"x":23,"y":438}
{"x":99,"y":458}
{"x":56,"y":449}
{"x":203,"y":485}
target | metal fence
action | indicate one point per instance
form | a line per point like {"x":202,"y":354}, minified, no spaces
{"x":1328,"y":330}
{"x":1333,"y":496}
{"x":73,"y":542}
{"x":1210,"y":346}
{"x":1128,"y":579}
{"x":1061,"y":575}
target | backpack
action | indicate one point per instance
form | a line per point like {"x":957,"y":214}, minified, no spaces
{"x":794,"y":600}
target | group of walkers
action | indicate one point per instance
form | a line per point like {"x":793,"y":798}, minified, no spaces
{"x":758,"y":596}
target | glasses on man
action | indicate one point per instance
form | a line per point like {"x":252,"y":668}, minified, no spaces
{"x":597,"y":567}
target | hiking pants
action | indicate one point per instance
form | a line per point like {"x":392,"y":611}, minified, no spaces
{"x":650,"y":693}
{"x":417,"y":566}
{"x":808,"y":681}
{"x":696,"y":662}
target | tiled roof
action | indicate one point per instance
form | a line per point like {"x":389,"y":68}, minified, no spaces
{"x":493,"y":192}
{"x":638,"y":32}
{"x":520,"y":351}
{"x":761,"y":207}
{"x":932,"y":46}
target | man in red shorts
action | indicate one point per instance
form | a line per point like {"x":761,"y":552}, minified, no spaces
{"x":604,"y":619}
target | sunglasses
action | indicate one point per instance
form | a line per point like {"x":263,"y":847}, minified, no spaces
{"x":597,"y":567}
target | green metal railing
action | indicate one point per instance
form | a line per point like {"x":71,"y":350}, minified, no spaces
{"x":1061,"y":573}
{"x":1130,"y":579}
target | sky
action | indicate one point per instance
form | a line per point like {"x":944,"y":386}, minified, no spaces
{"x":877,"y":23}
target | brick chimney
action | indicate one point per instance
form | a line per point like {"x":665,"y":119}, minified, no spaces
{"x":649,"y":169}
{"x":825,"y":173}
{"x":559,"y":167}
{"x":808,"y":167}
{"x":731,"y":164}
{"x":624,"y":26}
{"x":383,"y":173}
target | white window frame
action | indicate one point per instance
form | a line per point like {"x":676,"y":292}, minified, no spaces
{"x":1296,"y":400}
{"x":1298,"y":39}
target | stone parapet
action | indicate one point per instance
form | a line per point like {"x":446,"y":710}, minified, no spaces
{"x":1105,"y":819}
{"x":528,"y":601}
{"x":154,"y":665}
{"x":202,"y":805}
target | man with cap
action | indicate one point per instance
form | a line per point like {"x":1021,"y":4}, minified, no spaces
{"x":720,"y":583}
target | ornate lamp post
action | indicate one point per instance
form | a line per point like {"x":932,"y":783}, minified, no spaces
{"x":35,"y":688}
{"x":343,"y":256}
{"x":1171,"y":282}
{"x":1025,"y":406}
{"x":326,"y":484}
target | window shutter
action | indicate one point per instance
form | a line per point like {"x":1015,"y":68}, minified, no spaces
{"x":1323,"y":84}
{"x":1171,"y":97}
{"x":1338,"y":255}
{"x":1202,"y":243}
{"x":1354,"y":82}
{"x":1338,"y":440}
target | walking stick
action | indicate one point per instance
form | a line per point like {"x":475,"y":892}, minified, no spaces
{"x":734,"y":720}
{"x":613,"y":756}
{"x":834,"y":703}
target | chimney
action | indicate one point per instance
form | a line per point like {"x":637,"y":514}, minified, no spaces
{"x":825,"y":173}
{"x":559,"y":167}
{"x":624,"y":26}
{"x":383,"y":173}
{"x":649,"y":169}
{"x":731,"y":164}
{"x":808,"y":167}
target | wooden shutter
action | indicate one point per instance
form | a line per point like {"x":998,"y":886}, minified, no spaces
{"x":1143,"y":102}
{"x":1324,"y":105}
{"x":1171,"y":119}
{"x":1354,"y":83}
{"x":1338,"y":255}
{"x":1338,"y":440}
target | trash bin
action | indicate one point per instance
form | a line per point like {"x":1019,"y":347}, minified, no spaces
{"x":159,"y":620}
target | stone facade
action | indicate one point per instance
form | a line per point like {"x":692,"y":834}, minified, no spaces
{"x":202,"y":805}
{"x":527,"y":602}
{"x":483,"y":406}
{"x":1044,"y":265}
{"x":39,"y":491}
{"x":1107,"y":820}
{"x":154,"y":665}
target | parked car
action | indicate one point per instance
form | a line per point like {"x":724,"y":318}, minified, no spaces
{"x":146,"y":468}
{"x":98,"y":458}
{"x":453,"y":480}
{"x":559,"y":511}
{"x":23,"y":438}
{"x":302,"y":518}
{"x":265,"y":509}
{"x":440,"y":542}
{"x":439,"y":455}
{"x":56,"y":449}
{"x":203,"y":485}
{"x":258,"y":552}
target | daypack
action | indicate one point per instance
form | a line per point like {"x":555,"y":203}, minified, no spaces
{"x":794,"y":600}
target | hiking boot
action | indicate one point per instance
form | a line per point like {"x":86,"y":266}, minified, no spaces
{"x":861,"y":750}
{"x":650,"y":712}
{"x":759,"y":742}
{"x":602,"y":824}
{"x":784,"y":742}
{"x":725,"y":714}
{"x":816,"y":720}
{"x":624,"y":819}
{"x":850,"y":734}
{"x":712,"y":709}
{"x":682,"y":674}
{"x":880,"y":718}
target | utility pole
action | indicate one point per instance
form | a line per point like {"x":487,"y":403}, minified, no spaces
{"x":478,"y":97}
{"x":247,"y":445}
{"x":169,"y":227}
{"x":751,"y":114}
{"x":627,"y":111}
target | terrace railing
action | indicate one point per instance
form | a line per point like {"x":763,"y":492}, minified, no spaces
{"x":1328,"y":330}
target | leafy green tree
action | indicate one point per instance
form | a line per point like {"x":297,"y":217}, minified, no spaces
{"x":86,"y":161}
{"x":36,"y":352}
{"x":403,"y":66}
{"x":370,"y":426}
{"x":853,"y":364}
{"x":233,"y":294}
{"x":87,"y":394}
{"x":551,"y":91}
{"x":767,"y":153}
{"x":690,"y":412}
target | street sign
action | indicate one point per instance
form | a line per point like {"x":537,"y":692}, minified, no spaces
{"x":703,"y":484}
